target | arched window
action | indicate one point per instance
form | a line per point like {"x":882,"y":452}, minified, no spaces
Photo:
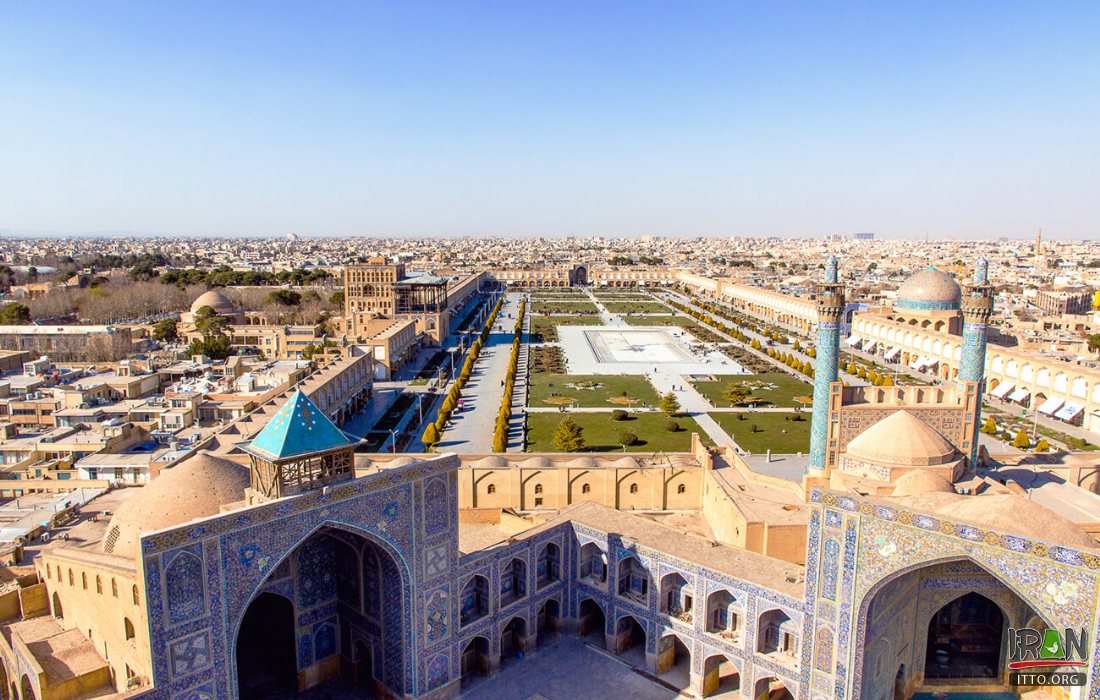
{"x":71,"y":577}
{"x":128,"y":628}
{"x":681,"y":489}
{"x":633,"y":488}
{"x":114,"y":588}
{"x":84,"y":581}
{"x":98,"y":585}
{"x":586,"y":488}
{"x":491,"y":488}
{"x":538,"y":488}
{"x":47,"y":571}
{"x":137,"y":600}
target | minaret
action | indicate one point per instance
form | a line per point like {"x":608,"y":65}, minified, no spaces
{"x":830,"y":309}
{"x":1039,"y":242}
{"x":977,"y":308}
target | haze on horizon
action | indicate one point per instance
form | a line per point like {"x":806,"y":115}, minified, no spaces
{"x":947,"y":119}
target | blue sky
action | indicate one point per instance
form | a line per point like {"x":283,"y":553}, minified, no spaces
{"x":617,"y":118}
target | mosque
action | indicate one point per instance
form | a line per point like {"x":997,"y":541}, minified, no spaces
{"x":290,"y":561}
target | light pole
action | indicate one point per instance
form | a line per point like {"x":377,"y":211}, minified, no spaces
{"x":393,"y":443}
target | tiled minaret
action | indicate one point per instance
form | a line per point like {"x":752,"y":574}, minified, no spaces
{"x":830,"y":309}
{"x":977,"y":307}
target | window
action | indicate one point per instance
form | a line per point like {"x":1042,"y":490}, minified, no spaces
{"x":538,"y":488}
{"x":128,"y":628}
{"x":98,"y":585}
{"x":137,"y":600}
{"x":491,"y":488}
{"x":681,"y":489}
{"x":114,"y":588}
{"x":47,"y":571}
{"x":586,"y":488}
{"x":84,"y":581}
{"x":538,"y":502}
{"x":633,"y":488}
{"x":70,"y":577}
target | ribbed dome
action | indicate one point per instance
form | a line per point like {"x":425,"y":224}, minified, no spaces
{"x":215,"y":300}
{"x":904,"y":440}
{"x":195,"y":488}
{"x":929,"y":289}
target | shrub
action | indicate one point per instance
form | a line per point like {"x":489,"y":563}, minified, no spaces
{"x":618,"y":414}
{"x":672,"y":426}
{"x":627,"y":439}
{"x":1021,"y":441}
{"x":1042,"y":446}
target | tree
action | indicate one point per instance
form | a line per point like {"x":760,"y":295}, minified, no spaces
{"x":627,"y":439}
{"x":1042,"y":446}
{"x":887,"y":381}
{"x":736,"y":392}
{"x":337,"y":298}
{"x":669,"y":404}
{"x":209,"y":322}
{"x":15,"y":315}
{"x":569,"y":436}
{"x":166,"y":331}
{"x":430,"y":438}
{"x":989,"y":427}
{"x":1021,"y":441}
{"x":1094,"y":341}
{"x":284,"y":297}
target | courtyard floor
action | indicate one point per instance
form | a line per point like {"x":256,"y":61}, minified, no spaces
{"x":601,"y":433}
{"x":568,"y":670}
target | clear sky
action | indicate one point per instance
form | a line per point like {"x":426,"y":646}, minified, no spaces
{"x":965,"y":119}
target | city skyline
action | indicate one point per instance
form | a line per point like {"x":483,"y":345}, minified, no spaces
{"x":429,"y":120}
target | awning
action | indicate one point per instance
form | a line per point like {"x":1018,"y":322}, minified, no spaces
{"x":1019,"y":395}
{"x":924,"y":362}
{"x":853,"y":340}
{"x":1050,"y":406}
{"x":1069,"y":411}
{"x":870,"y":347}
{"x":1002,"y":389}
{"x":892,"y":353}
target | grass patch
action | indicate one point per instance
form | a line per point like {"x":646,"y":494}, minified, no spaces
{"x":601,"y":434}
{"x":548,"y":389}
{"x":778,"y":389}
{"x":769,"y":433}
{"x":392,"y":417}
{"x":544,"y":328}
{"x":636,"y":307}
{"x":563,"y":307}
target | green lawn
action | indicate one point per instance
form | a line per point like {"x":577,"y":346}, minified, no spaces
{"x":563,"y":307}
{"x":681,"y":321}
{"x":775,"y":388}
{"x":636,"y":307}
{"x":543,"y":386}
{"x":770,"y":433}
{"x":601,"y":434}
{"x":543,"y":328}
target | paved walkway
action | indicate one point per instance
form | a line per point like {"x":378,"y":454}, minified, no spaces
{"x":566,"y":669}
{"x":471,"y":429}
{"x":517,"y":425}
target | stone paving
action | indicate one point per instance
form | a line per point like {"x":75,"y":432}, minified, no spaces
{"x":568,"y":670}
{"x":471,"y":429}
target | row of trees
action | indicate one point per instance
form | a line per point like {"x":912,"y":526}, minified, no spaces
{"x":870,"y":375}
{"x":504,"y":417}
{"x":792,"y":361}
{"x":433,"y":433}
{"x":225,"y":276}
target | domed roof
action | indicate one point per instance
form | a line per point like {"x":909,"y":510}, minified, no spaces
{"x":215,"y":300}
{"x":921,"y":481}
{"x":904,"y":440}
{"x":195,"y":488}
{"x":929,"y":289}
{"x":1007,"y":512}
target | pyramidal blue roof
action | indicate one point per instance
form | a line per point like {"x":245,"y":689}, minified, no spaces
{"x":298,"y":428}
